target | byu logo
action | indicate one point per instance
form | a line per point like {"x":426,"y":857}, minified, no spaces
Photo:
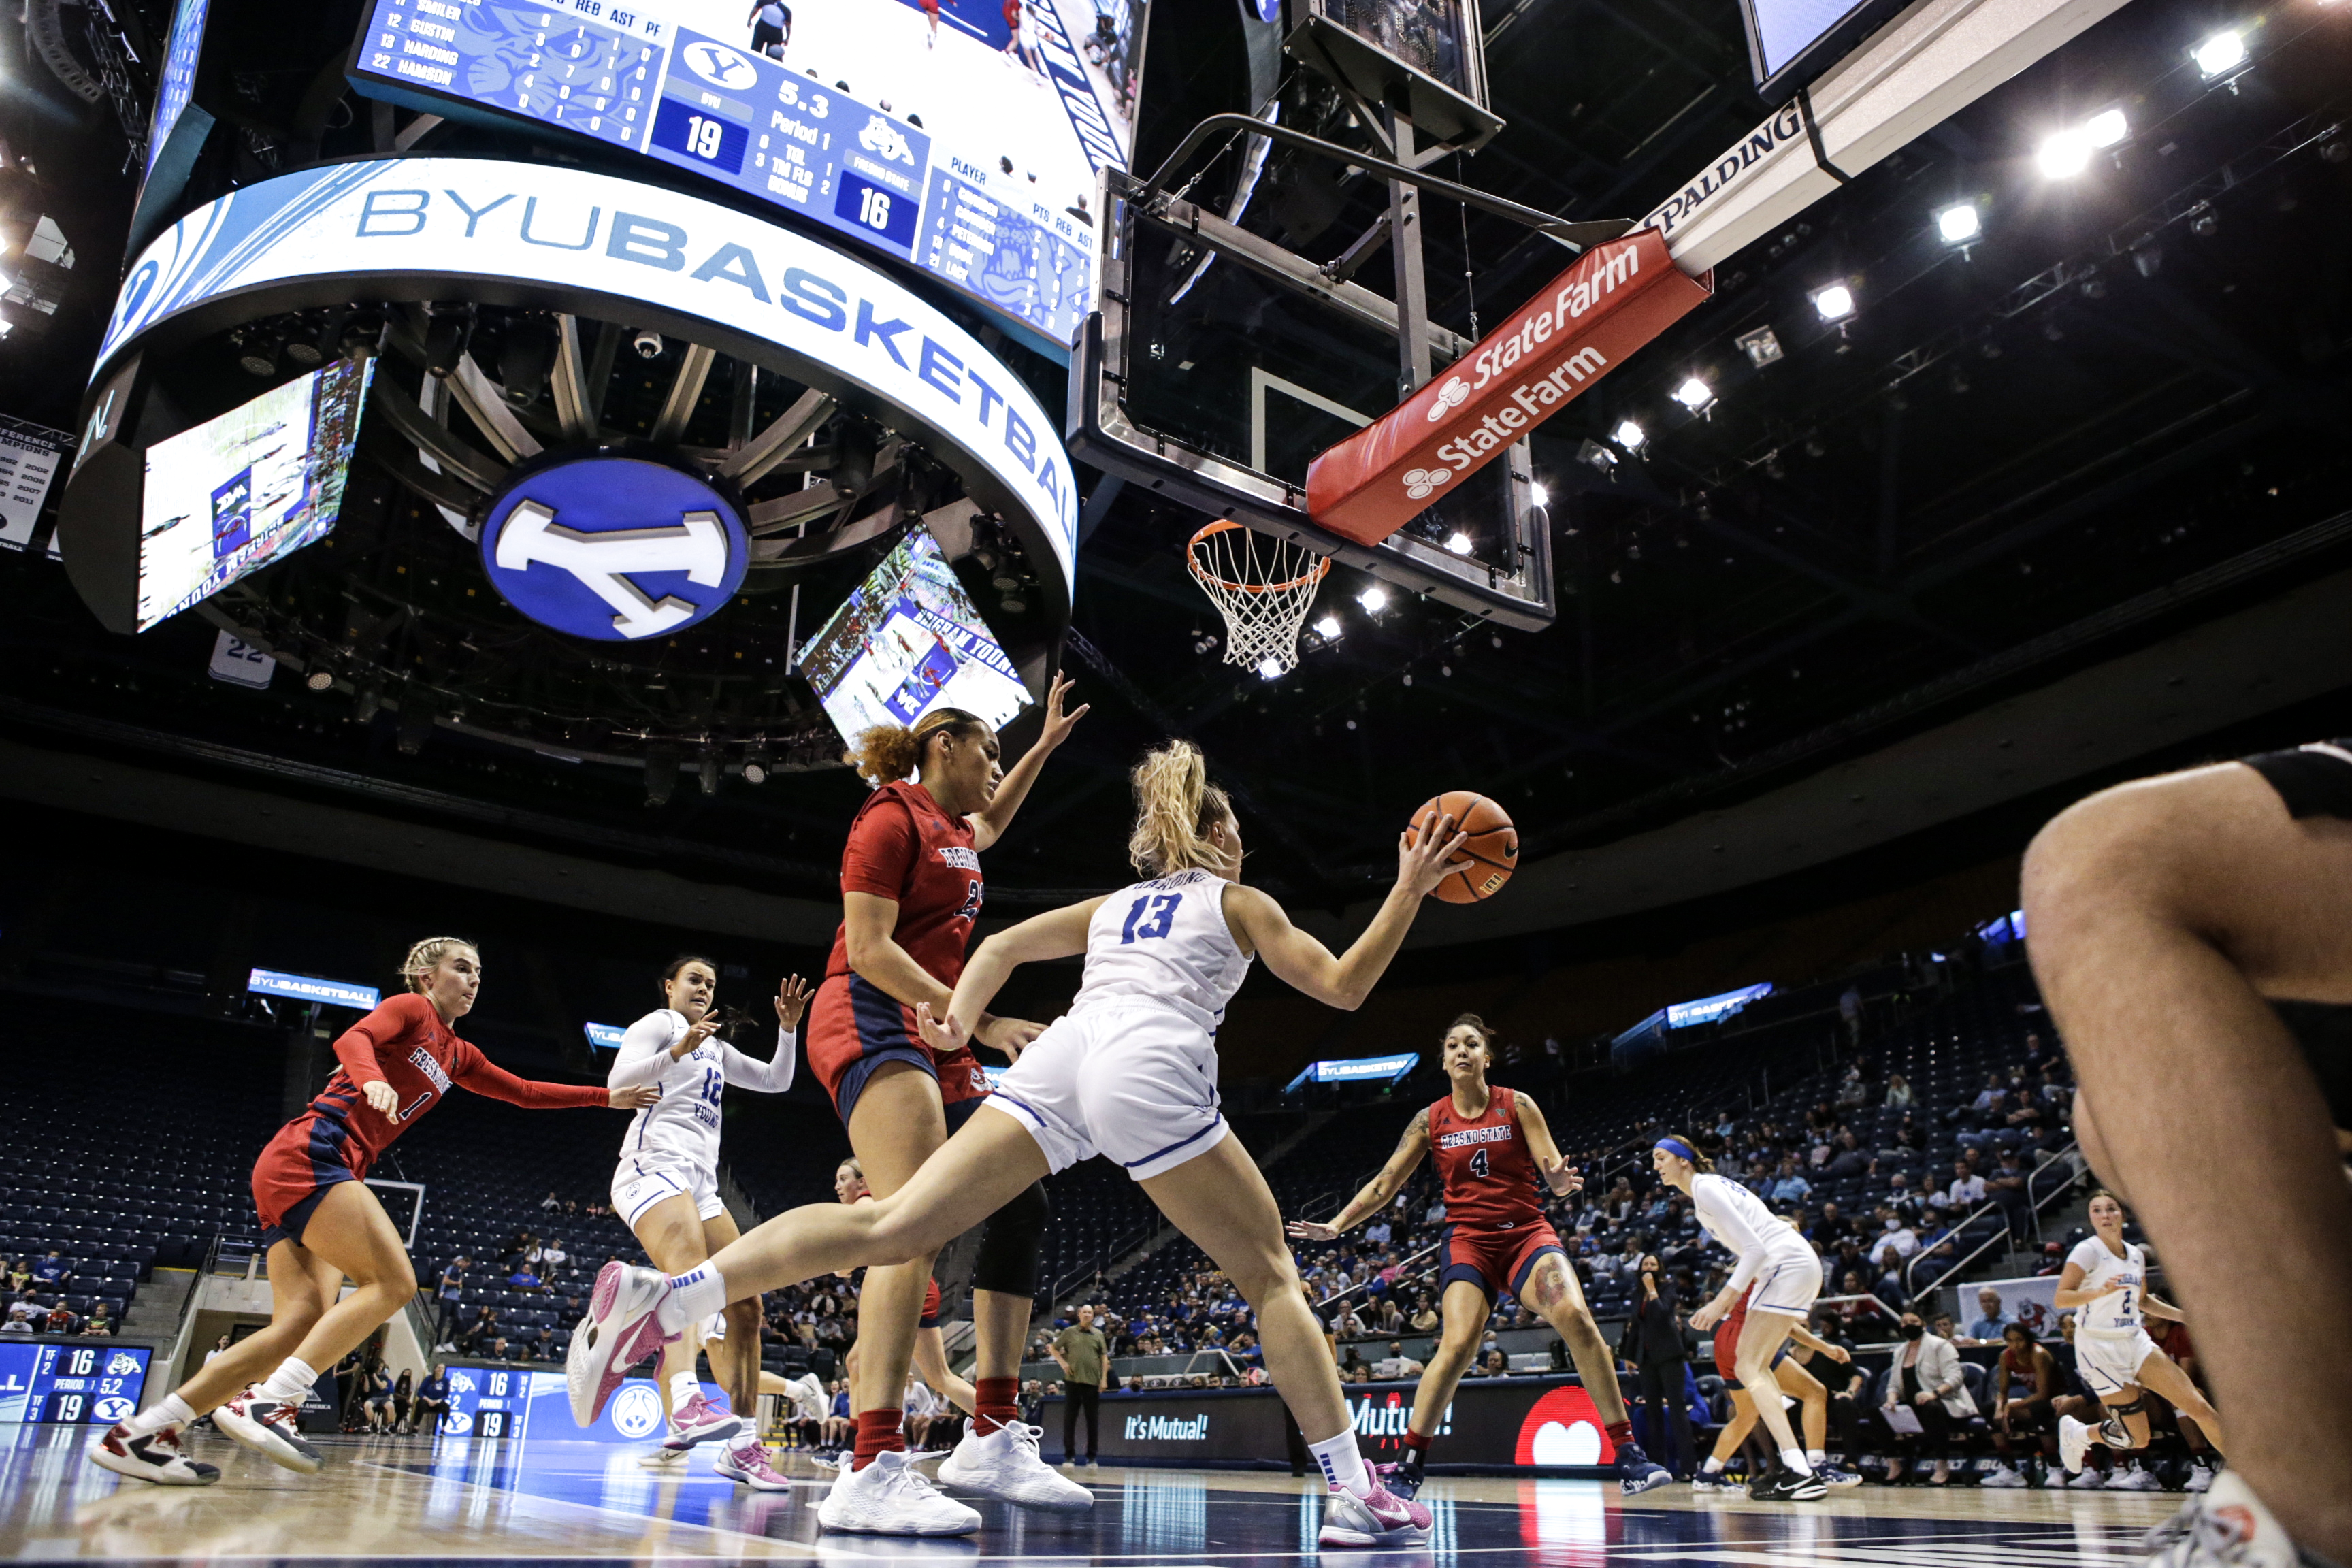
{"x":616,"y":549}
{"x":114,"y":1407}
{"x":718,"y":65}
{"x":636,"y":1410}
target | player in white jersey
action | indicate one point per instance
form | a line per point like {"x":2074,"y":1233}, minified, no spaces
{"x":2105,"y":1282}
{"x":665,"y":1188}
{"x":1786,"y":1276}
{"x":1130,"y":1072}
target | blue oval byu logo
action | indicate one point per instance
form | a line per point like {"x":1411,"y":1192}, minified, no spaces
{"x":616,"y":549}
{"x":636,"y":1410}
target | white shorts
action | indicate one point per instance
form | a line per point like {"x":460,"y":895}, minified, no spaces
{"x":639,"y":1184}
{"x":1788,"y":1284}
{"x":1137,"y":1083}
{"x":2109,"y":1364}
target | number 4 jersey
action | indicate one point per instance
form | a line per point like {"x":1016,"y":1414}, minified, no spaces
{"x":1489,"y":1177}
{"x":1165,"y":941}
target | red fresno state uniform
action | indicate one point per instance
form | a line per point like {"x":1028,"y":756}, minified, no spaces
{"x":1494,"y":1230}
{"x":902,"y":848}
{"x":403,"y":1043}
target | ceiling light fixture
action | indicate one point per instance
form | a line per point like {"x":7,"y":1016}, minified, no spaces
{"x":1835,"y":302}
{"x":1958,"y":224}
{"x":1268,"y":668}
{"x":1458,"y":542}
{"x":1629,"y":436}
{"x":1374,"y":599}
{"x":1694,"y":394}
{"x":2222,"y":53}
{"x":1542,"y":496}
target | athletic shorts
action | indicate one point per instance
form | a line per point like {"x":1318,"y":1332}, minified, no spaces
{"x":762,"y":34}
{"x":2109,"y":1364}
{"x":639,"y":1184}
{"x":1129,"y":1080}
{"x":931,"y":1305}
{"x":1496,"y":1261}
{"x":854,"y":1027}
{"x":310,"y":1155}
{"x":1786,"y":1283}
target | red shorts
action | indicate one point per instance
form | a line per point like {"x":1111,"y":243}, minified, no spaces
{"x":310,"y":1155}
{"x":1726,"y":1338}
{"x":931,"y":1305}
{"x":1497,"y":1261}
{"x":855,"y":1027}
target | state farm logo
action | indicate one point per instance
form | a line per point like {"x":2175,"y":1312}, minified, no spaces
{"x":1419,"y":482}
{"x":1451,"y":396}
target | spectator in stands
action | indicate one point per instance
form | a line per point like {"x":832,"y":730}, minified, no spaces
{"x":431,"y":1401}
{"x":1986,"y":1107}
{"x":922,"y":1406}
{"x":2024,"y":1382}
{"x":61,"y":1320}
{"x":20,"y":1320}
{"x":1964,"y":1192}
{"x":1898,"y":1090}
{"x":1852,"y":1091}
{"x":1396,"y":1363}
{"x":1378,"y":1232}
{"x":551,"y":1202}
{"x":1893,"y":1248}
{"x":1494,"y":1363}
{"x":1848,"y":1383}
{"x":450,"y":1298}
{"x":2008,"y":1187}
{"x":1790,"y":1187}
{"x":1831,"y":1228}
{"x":522,"y":1279}
{"x":1391,"y":1316}
{"x":499,"y":1350}
{"x":1426,"y":1316}
{"x":552,"y":1256}
{"x":19,"y":1276}
{"x":52,"y":1271}
{"x":1850,"y":1159}
{"x":1926,"y":1380}
{"x":1081,"y":1354}
{"x":1990,"y":1325}
{"x":839,"y":1428}
{"x":102,"y":1323}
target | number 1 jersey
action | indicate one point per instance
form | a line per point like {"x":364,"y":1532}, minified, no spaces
{"x":1489,"y":1177}
{"x":1165,"y":941}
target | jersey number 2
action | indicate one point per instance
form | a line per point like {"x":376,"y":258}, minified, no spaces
{"x":1163,"y":916}
{"x":1477,"y":1162}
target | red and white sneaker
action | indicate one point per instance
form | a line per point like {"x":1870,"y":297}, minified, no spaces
{"x":699,"y":1421}
{"x":273,"y":1428}
{"x":622,"y":1328}
{"x":154,"y":1458}
{"x":1382,"y":1519}
{"x":750,"y":1465}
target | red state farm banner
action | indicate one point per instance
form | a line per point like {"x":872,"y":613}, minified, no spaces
{"x":1616,"y":298}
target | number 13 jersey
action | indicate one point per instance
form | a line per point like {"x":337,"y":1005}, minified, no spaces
{"x":1165,"y":941}
{"x":1489,"y":1177}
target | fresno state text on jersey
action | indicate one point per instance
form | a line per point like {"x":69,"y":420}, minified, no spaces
{"x":1489,"y":1177}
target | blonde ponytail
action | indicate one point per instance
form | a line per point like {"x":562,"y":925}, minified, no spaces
{"x":1175,"y":808}
{"x":426,"y":956}
{"x":889,"y":752}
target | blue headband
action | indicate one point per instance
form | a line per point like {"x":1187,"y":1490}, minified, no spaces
{"x":1676,"y":1146}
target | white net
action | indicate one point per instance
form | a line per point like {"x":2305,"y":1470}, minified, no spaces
{"x":1263,"y":586}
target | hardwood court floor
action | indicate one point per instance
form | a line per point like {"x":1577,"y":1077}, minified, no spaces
{"x":448,"y":1501}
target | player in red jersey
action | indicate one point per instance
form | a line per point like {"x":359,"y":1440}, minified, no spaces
{"x":323,"y":1223}
{"x":1491,"y":1146}
{"x":910,"y":890}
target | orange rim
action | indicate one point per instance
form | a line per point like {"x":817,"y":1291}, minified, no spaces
{"x":1321,"y":569}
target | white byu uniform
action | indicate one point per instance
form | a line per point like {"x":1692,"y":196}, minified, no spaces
{"x":2110,"y":1335}
{"x":672,"y":1145}
{"x":1130,"y":1071}
{"x":1783,"y":1268}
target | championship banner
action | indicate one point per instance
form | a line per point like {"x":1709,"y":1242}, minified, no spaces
{"x":1616,"y":298}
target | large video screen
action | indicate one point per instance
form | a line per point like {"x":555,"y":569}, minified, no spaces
{"x":177,"y":80}
{"x":945,"y":137}
{"x":91,"y":1381}
{"x":245,"y":488}
{"x":909,"y":640}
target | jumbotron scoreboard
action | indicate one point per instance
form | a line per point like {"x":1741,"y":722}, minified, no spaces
{"x":71,"y":1382}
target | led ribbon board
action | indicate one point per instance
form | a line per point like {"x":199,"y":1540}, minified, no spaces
{"x":308,"y":988}
{"x":1708,"y":1009}
{"x":1356,"y":1069}
{"x":605,"y":1036}
{"x":438,"y":229}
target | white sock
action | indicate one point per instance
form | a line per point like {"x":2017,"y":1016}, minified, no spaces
{"x":291,"y":1381}
{"x":697,"y":1293}
{"x":683,"y":1386}
{"x":1817,"y":1457}
{"x":1714,"y":1466}
{"x":1795,"y":1460}
{"x":170,"y":1411}
{"x":1343,"y":1466}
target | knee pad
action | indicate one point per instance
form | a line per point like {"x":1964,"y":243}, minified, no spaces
{"x":1009,"y":1243}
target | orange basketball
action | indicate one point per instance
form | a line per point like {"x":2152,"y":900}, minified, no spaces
{"x":1492,"y":854}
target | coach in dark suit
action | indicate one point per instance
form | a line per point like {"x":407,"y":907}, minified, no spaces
{"x":1663,"y":1355}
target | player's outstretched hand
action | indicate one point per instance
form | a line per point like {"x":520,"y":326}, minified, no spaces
{"x":1709,"y":1315}
{"x":1011,"y":1036}
{"x":792,"y":1001}
{"x":696,"y":1033}
{"x":1562,"y":1177}
{"x":381,"y":1096}
{"x":942,"y":1037}
{"x":1421,"y":866}
{"x":1060,"y":724}
{"x":1308,"y":1230}
{"x":635,"y":1098}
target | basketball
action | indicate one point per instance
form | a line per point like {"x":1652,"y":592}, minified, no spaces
{"x":1493,"y":849}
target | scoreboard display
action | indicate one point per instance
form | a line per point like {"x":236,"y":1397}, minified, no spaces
{"x":71,"y":1382}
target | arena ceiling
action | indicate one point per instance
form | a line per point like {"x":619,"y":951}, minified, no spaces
{"x":2120,"y":413}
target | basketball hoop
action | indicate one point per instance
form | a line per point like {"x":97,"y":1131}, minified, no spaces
{"x":1263,"y":586}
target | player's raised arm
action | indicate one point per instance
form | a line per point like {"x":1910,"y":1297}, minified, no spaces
{"x":1384,"y":1185}
{"x":1306,"y":964}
